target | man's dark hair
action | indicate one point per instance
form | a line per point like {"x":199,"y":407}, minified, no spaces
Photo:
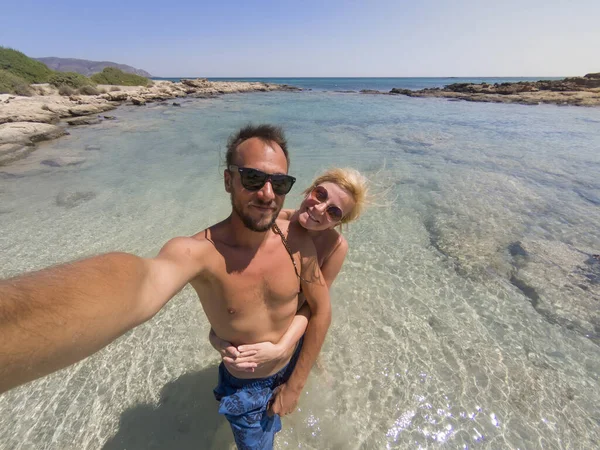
{"x":266,"y":133}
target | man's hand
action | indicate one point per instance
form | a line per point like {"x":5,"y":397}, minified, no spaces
{"x":284,"y":400}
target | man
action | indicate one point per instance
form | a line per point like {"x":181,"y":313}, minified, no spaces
{"x":248,"y":284}
{"x":246,"y":279}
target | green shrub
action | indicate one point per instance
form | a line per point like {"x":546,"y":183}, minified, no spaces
{"x":19,"y":64}
{"x":111,"y":75}
{"x":66,"y":90}
{"x":12,"y":84}
{"x":71,"y":79}
{"x":88,"y":90}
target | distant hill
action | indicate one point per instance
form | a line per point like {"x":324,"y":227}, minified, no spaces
{"x":85,"y":67}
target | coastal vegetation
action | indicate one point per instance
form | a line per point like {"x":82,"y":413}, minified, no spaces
{"x":114,"y":76}
{"x":12,"y":84}
{"x":18,"y":72}
{"x":71,"y":79}
{"x":18,"y":64}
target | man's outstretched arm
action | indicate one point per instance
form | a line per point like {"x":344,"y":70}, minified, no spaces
{"x":57,"y":316}
{"x":316,"y":292}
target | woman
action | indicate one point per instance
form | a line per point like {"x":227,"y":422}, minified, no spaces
{"x":335,"y":198}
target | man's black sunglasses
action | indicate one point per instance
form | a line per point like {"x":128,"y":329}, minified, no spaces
{"x":253,"y":180}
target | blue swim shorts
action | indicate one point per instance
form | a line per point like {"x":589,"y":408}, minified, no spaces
{"x":244,"y":403}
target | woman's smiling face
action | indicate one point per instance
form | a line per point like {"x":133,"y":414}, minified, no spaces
{"x":321,"y":207}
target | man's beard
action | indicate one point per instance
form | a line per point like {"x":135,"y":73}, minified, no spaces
{"x":251,"y":223}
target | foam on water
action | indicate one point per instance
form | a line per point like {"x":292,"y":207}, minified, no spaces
{"x":466,"y":314}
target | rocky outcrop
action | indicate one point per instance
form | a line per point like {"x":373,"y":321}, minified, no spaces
{"x":86,"y":110}
{"x":139,"y":101}
{"x":116,"y":96}
{"x":33,"y":115}
{"x":198,"y":83}
{"x":17,"y":139}
{"x":27,"y":133}
{"x":578,"y":91}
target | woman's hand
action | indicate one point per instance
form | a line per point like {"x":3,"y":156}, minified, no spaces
{"x":225,"y":348}
{"x":255,"y":355}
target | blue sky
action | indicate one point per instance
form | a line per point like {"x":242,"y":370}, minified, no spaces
{"x":310,"y":38}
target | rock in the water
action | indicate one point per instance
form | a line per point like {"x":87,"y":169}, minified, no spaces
{"x":70,"y":200}
{"x":401,"y":91}
{"x":92,"y":147}
{"x":562,"y":282}
{"x":14,"y":152}
{"x":370,"y":91}
{"x":202,"y":95}
{"x":109,"y":117}
{"x":86,"y":110}
{"x":63,"y":161}
{"x":138,"y":101}
{"x":287,"y":87}
{"x":176,"y":104}
{"x":84,"y":120}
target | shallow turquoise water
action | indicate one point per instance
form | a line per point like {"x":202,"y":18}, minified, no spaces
{"x":466,"y":314}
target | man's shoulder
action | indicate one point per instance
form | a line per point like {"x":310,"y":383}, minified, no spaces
{"x":217,"y":232}
{"x":195,"y":246}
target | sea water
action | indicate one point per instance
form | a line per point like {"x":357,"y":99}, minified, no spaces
{"x":465,"y":316}
{"x":383,"y":84}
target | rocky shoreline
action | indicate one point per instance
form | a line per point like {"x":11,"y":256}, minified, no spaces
{"x":24,"y":121}
{"x":576,"y":91}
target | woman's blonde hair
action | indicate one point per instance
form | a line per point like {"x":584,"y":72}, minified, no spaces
{"x":351,"y":181}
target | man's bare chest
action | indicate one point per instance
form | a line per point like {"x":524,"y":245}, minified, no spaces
{"x":240,"y":280}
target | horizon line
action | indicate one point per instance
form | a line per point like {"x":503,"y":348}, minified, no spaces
{"x":382,"y":77}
